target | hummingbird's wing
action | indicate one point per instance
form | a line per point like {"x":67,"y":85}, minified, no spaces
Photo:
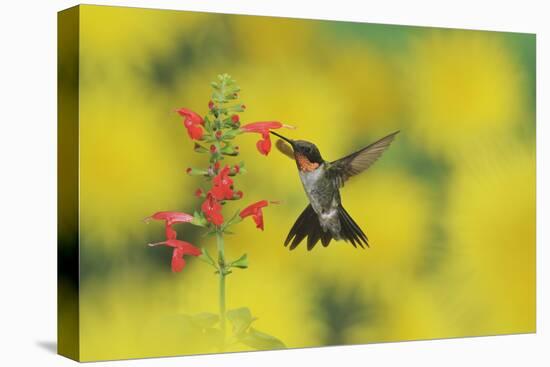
{"x":285,"y":148}
{"x":357,"y":162}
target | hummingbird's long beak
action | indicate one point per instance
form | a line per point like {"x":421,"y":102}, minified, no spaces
{"x":290,"y":141}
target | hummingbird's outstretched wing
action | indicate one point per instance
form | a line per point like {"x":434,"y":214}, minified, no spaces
{"x":355,"y":163}
{"x":285,"y":148}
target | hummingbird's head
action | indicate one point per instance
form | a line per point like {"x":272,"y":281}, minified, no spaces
{"x":306,"y":154}
{"x":307,"y":150}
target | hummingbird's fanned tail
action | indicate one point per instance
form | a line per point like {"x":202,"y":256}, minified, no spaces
{"x":307,"y":225}
{"x":349,"y":230}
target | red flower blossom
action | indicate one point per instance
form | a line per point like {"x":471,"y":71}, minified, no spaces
{"x":193,"y":122}
{"x":212,"y":210}
{"x":170,"y":218}
{"x":255,"y":210}
{"x":263,"y":145}
{"x":210,"y":105}
{"x":235,"y":118}
{"x":221,"y":189}
{"x":181,"y":248}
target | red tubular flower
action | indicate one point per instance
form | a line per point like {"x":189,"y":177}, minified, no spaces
{"x":170,"y":218}
{"x":261,"y":127}
{"x":255,"y":210}
{"x":193,"y":122}
{"x":181,"y":248}
{"x":263,"y":145}
{"x":222,"y":185}
{"x":212,"y":210}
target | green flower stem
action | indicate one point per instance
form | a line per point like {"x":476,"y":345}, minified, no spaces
{"x":222,"y":274}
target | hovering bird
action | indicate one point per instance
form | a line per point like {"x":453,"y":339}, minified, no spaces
{"x":325,"y":218}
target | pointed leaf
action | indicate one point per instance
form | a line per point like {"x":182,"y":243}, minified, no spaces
{"x":259,"y":340}
{"x":230,"y":134}
{"x":196,"y":172}
{"x":241,"y":262}
{"x":199,"y":219}
{"x":241,"y":318}
{"x":200,"y":149}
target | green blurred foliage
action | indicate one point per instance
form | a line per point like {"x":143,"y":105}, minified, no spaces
{"x":449,"y":209}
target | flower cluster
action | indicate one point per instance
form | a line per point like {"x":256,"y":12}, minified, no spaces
{"x":214,"y":134}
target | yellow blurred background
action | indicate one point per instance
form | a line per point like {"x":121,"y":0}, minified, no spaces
{"x":449,"y":209}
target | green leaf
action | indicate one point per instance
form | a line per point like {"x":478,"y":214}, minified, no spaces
{"x":196,"y":172}
{"x":241,"y":262}
{"x":199,"y":219}
{"x":230,"y":134}
{"x":207,"y":122}
{"x":236,"y":108}
{"x":205,"y":256}
{"x":229,"y":149}
{"x":205,"y":320}
{"x":200,"y":149}
{"x":241,"y":318}
{"x":259,"y":340}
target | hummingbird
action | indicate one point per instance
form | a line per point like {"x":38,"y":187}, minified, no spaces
{"x":325,"y":218}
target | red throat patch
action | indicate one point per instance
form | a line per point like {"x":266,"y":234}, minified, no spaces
{"x":304,"y":163}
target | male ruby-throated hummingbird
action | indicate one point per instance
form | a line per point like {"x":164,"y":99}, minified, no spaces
{"x":325,"y":218}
